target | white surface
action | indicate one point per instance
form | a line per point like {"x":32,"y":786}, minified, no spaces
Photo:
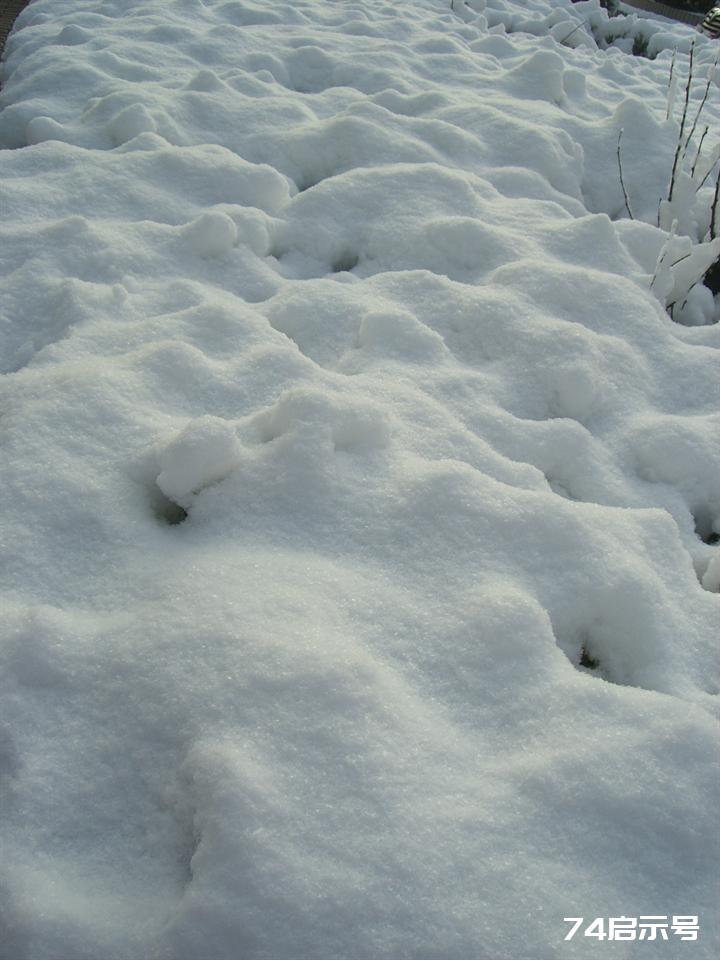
{"x":352,"y":284}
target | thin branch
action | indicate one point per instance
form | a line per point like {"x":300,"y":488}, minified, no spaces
{"x":713,"y":209}
{"x":713,"y":166}
{"x":692,"y":285}
{"x":686,"y":294}
{"x":678,"y":151}
{"x":660,"y":262}
{"x":664,"y":251}
{"x":583,"y":23}
{"x":699,"y":151}
{"x":680,"y":259}
{"x":622,"y":180}
{"x":670,"y":97}
{"x":711,"y":77}
{"x":702,"y":183}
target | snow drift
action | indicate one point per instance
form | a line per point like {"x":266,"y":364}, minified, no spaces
{"x":361,"y":498}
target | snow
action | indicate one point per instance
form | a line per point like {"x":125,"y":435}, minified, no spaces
{"x":204,"y":452}
{"x":361,"y":503}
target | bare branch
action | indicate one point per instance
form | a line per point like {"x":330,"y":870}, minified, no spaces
{"x":680,"y":259}
{"x":582,"y":23}
{"x":699,"y":151}
{"x":622,"y":180}
{"x":665,"y":250}
{"x":686,"y":294}
{"x":711,"y":77}
{"x":670,"y":86}
{"x":679,"y":151}
{"x":713,"y":209}
{"x":707,"y":175}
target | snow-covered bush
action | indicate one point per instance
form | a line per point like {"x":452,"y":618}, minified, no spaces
{"x":690,"y":207}
{"x":657,"y":167}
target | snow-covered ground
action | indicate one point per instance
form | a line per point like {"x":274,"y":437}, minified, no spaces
{"x":360,"y":497}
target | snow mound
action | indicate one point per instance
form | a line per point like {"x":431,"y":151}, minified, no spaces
{"x":204,"y":452}
{"x":212,"y":234}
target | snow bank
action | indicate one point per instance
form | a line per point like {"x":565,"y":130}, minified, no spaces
{"x":361,"y":502}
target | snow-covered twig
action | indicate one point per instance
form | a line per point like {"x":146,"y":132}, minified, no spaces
{"x":685,"y":295}
{"x":710,"y":169}
{"x":699,"y":150}
{"x":679,"y":150}
{"x":671,"y":88}
{"x":713,"y":209}
{"x":664,"y":251}
{"x":711,"y":77}
{"x":680,"y":259}
{"x":583,"y":23}
{"x":622,"y":179}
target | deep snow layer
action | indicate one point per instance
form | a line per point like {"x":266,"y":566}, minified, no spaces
{"x":361,"y":498}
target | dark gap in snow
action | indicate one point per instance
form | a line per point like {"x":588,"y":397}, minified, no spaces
{"x":269,"y":431}
{"x":587,"y":660}
{"x":581,"y":650}
{"x":712,"y":277}
{"x":560,"y":488}
{"x":704,"y":527}
{"x":345,"y":263}
{"x":189,"y":841}
{"x":309,"y":183}
{"x":167,"y":511}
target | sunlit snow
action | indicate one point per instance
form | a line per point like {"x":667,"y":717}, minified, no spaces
{"x":361,"y":497}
